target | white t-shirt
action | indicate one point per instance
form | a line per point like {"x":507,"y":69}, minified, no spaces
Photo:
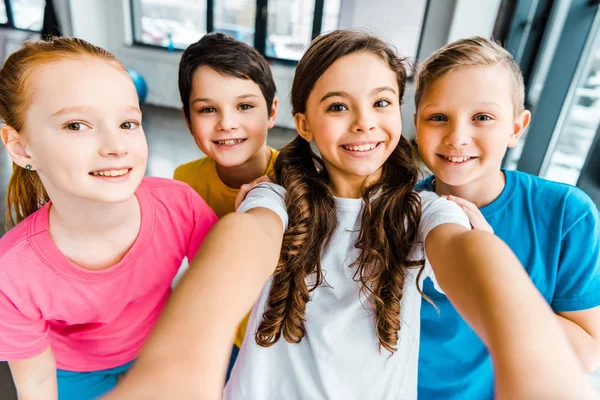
{"x":339,"y":357}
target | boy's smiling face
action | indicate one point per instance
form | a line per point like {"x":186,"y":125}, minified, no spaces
{"x":228,"y":117}
{"x":465,"y":122}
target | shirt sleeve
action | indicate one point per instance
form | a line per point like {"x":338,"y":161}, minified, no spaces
{"x":578,"y":276}
{"x":436,"y":211}
{"x":204,"y":218}
{"x":23,"y":332}
{"x":267,"y":195}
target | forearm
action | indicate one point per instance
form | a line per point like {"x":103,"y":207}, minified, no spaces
{"x":585,"y":346}
{"x":186,"y":355}
{"x":491,"y":290}
{"x":35,"y":378}
{"x":45,"y":390}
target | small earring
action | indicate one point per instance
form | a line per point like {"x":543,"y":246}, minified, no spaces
{"x":28,"y":167}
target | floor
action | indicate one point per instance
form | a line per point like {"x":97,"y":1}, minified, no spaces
{"x":170,"y":145}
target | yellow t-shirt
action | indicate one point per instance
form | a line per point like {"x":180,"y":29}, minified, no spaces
{"x":202,"y":176}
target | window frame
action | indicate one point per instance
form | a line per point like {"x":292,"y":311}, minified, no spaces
{"x":10,"y":20}
{"x":260,"y":27}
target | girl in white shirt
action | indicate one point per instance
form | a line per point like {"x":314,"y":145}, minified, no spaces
{"x":338,"y":317}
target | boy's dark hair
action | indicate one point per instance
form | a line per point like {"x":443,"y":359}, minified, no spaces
{"x":228,"y":57}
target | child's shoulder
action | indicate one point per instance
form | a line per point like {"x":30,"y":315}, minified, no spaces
{"x":173,"y":196}
{"x":189,"y":171}
{"x":166,"y":188}
{"x":549,"y":192}
{"x":16,"y":245}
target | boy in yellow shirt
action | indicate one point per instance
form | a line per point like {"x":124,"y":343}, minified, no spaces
{"x":229,"y":104}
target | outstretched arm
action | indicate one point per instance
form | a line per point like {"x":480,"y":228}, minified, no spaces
{"x":35,"y":377}
{"x":186,"y":355}
{"x":488,"y":286}
{"x":582,"y":327}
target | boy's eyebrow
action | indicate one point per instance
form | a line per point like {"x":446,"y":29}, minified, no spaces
{"x":207,"y":100}
{"x":489,"y":103}
{"x":483,"y":103}
{"x":344,"y":94}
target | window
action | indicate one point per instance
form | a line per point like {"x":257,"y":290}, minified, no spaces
{"x":235,"y":18}
{"x":173,"y":24}
{"x":331,"y":15}
{"x":3,"y":16}
{"x":28,"y":14}
{"x":22,"y":14}
{"x":289,"y":28}
{"x":278,"y":29}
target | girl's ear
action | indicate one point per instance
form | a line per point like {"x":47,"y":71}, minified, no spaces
{"x":302,"y":127}
{"x":15,"y":147}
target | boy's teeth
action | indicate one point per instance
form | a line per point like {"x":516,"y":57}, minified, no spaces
{"x":457,"y":159}
{"x":229,"y":142}
{"x":361,"y":147}
{"x":112,"y":172}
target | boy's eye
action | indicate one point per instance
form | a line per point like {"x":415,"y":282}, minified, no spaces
{"x":76,"y":126}
{"x":337,"y":107}
{"x":208,"y":110}
{"x":381,"y":103}
{"x":437,"y":118}
{"x":246,"y":107}
{"x":482,"y":117}
{"x":129,"y":125}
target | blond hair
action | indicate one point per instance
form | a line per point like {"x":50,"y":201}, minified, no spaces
{"x":25,"y":193}
{"x":471,"y":52}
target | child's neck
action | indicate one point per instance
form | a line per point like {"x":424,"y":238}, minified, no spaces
{"x":255,"y":167}
{"x":480,"y":192}
{"x":94,"y":235}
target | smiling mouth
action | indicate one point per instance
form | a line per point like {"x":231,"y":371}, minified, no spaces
{"x":111,"y":172}
{"x":229,"y":142}
{"x":361,"y":147}
{"x":456,"y":159}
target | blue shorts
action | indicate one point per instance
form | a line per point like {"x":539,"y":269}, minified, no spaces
{"x":88,"y":385}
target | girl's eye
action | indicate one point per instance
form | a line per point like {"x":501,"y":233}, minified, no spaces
{"x":482,"y":117}
{"x":76,"y":126}
{"x":437,"y":118}
{"x":129,"y":125}
{"x":208,"y":110}
{"x":382,"y":103}
{"x":246,"y":107}
{"x":337,"y":107}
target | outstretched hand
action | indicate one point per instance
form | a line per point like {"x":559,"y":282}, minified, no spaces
{"x":244,"y":189}
{"x":475,"y":216}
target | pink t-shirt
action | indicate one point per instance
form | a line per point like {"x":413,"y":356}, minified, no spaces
{"x":95,"y":320}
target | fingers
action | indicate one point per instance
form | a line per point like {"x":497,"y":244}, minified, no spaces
{"x":475,"y":216}
{"x":244,"y":189}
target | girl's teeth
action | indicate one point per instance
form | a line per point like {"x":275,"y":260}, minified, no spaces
{"x":113,"y":172}
{"x":361,"y":147}
{"x":230,"y":142}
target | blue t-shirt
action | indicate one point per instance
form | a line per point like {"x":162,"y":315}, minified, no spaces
{"x":554,"y":229}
